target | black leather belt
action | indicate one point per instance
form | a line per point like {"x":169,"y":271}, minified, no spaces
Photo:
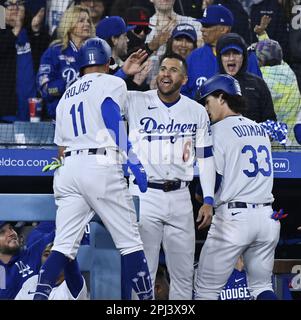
{"x":167,"y":185}
{"x":233,"y":205}
{"x":101,"y":151}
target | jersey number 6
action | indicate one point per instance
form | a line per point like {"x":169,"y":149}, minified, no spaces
{"x":254,"y":162}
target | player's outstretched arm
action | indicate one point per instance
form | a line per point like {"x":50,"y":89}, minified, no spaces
{"x":134,"y":63}
{"x":115,"y":125}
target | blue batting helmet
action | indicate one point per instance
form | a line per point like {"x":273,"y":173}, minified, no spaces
{"x":223,"y":82}
{"x":95,"y":51}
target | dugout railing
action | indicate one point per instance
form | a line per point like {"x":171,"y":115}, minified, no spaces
{"x":100,"y":259}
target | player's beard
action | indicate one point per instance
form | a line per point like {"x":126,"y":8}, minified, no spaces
{"x":10,"y":250}
{"x":175,"y":87}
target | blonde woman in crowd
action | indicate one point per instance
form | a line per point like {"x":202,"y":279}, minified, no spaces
{"x":58,"y":65}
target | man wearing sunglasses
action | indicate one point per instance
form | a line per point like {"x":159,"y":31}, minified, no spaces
{"x":138,"y":17}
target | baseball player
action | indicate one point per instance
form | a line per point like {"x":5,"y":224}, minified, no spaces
{"x":168,"y":130}
{"x":71,"y":284}
{"x":242,"y":224}
{"x":17,"y":264}
{"x":91,"y":138}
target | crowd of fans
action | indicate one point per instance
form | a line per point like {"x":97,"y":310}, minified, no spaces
{"x":254,"y":41}
{"x":42,"y":39}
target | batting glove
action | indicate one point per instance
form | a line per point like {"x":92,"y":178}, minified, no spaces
{"x":138,"y":171}
{"x":53,"y":165}
{"x":279,"y":215}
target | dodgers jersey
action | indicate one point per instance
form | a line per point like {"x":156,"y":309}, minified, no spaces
{"x":79,"y":122}
{"x":22,"y":266}
{"x":60,"y":292}
{"x":247,"y":171}
{"x":165,"y":138}
{"x":237,"y":287}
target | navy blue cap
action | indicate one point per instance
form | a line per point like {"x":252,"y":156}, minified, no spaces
{"x":217,"y":14}
{"x":232,"y":47}
{"x":185,"y":29}
{"x":113,"y":26}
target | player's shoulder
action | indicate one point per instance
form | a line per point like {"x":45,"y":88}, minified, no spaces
{"x":141,"y":95}
{"x":112,"y":81}
{"x":193,"y":104}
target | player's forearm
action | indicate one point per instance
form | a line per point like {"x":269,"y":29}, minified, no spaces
{"x":207,"y":178}
{"x":73,"y":278}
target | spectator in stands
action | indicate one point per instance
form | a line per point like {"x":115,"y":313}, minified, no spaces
{"x":97,"y":8}
{"x":58,"y":67}
{"x":162,"y":23}
{"x":217,"y":21}
{"x":114,"y":31}
{"x":119,"y":7}
{"x":182,"y":41}
{"x":232,"y":57}
{"x":21,"y":42}
{"x":282,"y":84}
{"x":278,"y":28}
{"x":71,"y":284}
{"x":138,"y":17}
{"x":241,"y":23}
{"x":17,"y":264}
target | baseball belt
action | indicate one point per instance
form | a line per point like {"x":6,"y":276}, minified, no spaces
{"x":236,"y":205}
{"x":100,"y":151}
{"x":167,"y":186}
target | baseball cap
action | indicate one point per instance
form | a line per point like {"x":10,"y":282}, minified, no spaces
{"x":112,"y":26}
{"x":269,"y":52}
{"x":232,"y":47}
{"x":217,"y":14}
{"x":184,"y":29}
{"x":138,"y":16}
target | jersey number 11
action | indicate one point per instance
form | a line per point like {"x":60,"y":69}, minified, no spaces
{"x":80,"y":110}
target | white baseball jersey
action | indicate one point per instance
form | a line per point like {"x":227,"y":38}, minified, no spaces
{"x":165,"y":138}
{"x":249,"y":165}
{"x":88,"y":184}
{"x":242,"y":224}
{"x":60,"y":292}
{"x":79,"y":123}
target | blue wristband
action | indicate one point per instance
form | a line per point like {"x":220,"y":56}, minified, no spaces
{"x":208,"y":200}
{"x":121,"y":74}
